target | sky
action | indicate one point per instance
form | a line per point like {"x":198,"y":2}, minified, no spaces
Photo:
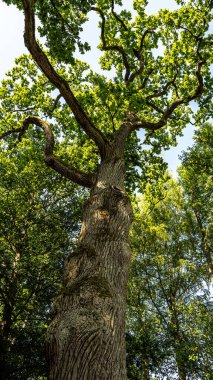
{"x":12,"y":46}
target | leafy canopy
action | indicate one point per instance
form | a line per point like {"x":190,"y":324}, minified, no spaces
{"x":161,"y":63}
{"x":169,"y":308}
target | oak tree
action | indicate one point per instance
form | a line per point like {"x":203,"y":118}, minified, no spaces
{"x":161,"y":63}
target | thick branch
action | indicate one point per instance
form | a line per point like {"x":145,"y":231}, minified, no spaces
{"x":137,"y":72}
{"x":45,"y":65}
{"x":77,"y":176}
{"x":124,"y":131}
{"x":117,"y":48}
{"x":140,"y":57}
{"x":166,"y":115}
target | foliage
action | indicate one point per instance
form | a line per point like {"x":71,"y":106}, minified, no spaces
{"x":37,"y":231}
{"x":161,"y":63}
{"x":197,"y":179}
{"x":169,"y":328}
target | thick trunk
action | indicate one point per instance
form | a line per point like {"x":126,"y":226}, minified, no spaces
{"x":86,"y":339}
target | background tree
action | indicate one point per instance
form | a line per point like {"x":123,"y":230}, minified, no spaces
{"x":169,"y":309}
{"x":37,"y":231}
{"x":149,"y":92}
{"x":196,"y":176}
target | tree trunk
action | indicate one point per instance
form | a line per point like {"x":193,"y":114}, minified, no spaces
{"x":181,"y":370}
{"x":180,"y":355}
{"x":204,"y":243}
{"x":86,"y":339}
{"x":145,"y":365}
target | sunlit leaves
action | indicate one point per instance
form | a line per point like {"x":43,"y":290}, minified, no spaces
{"x":197,"y":178}
{"x":166,"y":290}
{"x":157,"y":66}
{"x":69,"y":18}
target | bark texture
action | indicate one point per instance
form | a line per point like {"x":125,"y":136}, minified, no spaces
{"x":86,"y":339}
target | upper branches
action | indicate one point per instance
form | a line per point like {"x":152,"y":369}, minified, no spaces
{"x":157,"y":56}
{"x":167,"y":81}
{"x":137,"y":124}
{"x":140,"y":56}
{"x":77,"y":176}
{"x":133,"y":122}
{"x":113,"y":47}
{"x":130,"y":74}
{"x":43,"y":62}
{"x":122,"y":23}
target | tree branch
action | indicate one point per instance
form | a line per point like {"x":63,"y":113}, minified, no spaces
{"x":77,"y":176}
{"x":164,"y":90}
{"x":117,"y":17}
{"x":61,"y":17}
{"x":139,"y":56}
{"x":44,"y":64}
{"x":149,"y":288}
{"x":156,"y":108}
{"x":55,"y":104}
{"x":129,"y":77}
{"x":145,"y":80}
{"x":117,"y":48}
{"x":166,"y":115}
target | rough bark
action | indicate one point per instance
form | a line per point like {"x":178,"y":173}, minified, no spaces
{"x":86,"y":339}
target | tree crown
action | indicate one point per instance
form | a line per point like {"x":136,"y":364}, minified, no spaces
{"x":161,"y":63}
